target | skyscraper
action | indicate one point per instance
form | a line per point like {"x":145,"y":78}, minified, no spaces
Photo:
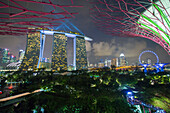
{"x":114,"y":62}
{"x":81,"y":55}
{"x":149,"y":61}
{"x":105,"y":62}
{"x":122,"y":60}
{"x":31,"y":57}
{"x":21,"y":55}
{"x":59,"y":53}
{"x":35,"y":47}
{"x":6,"y":56}
{"x":109,"y":63}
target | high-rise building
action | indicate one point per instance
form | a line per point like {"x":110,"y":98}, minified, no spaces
{"x":122,"y":60}
{"x":35,"y":46}
{"x":21,"y":55}
{"x":81,"y":55}
{"x":30,"y":60}
{"x":59,"y":53}
{"x":109,"y":63}
{"x":100,"y":64}
{"x":114,"y":62}
{"x":6,"y":56}
{"x":105,"y":62}
{"x":149,"y":61}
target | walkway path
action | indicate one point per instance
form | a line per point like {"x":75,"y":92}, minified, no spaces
{"x":19,"y":95}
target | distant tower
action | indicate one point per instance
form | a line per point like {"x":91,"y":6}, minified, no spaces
{"x":122,"y":61}
{"x":149,"y":61}
{"x":6,"y":56}
{"x":21,"y":55}
{"x":105,"y":62}
{"x":109,"y":63}
{"x":115,"y":62}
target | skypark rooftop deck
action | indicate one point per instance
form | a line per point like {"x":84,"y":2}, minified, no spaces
{"x":71,"y":35}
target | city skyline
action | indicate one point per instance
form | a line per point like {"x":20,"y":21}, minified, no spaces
{"x":85,"y":56}
{"x":98,"y":50}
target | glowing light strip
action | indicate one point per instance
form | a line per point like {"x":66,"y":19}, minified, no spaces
{"x":67,"y":34}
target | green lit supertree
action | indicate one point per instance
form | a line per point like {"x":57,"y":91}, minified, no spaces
{"x":139,"y":18}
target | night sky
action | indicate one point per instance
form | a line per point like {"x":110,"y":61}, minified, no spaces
{"x":103,"y":46}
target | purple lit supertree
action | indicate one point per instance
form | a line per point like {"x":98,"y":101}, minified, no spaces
{"x":161,"y":66}
{"x":135,"y":18}
{"x":17,"y":17}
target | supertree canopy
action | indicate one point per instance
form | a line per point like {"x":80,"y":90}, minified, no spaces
{"x":18,"y":17}
{"x":140,"y":18}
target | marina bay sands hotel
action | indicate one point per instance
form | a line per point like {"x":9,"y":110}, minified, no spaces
{"x":35,"y":48}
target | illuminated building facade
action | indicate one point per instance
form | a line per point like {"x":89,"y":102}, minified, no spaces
{"x":33,"y":58}
{"x":100,"y":64}
{"x":21,"y":55}
{"x":59,"y":53}
{"x":105,"y":62}
{"x":81,"y":55}
{"x":149,"y":61}
{"x":109,"y":63}
{"x":6,"y":56}
{"x":114,"y":62}
{"x":30,"y":60}
{"x":122,"y":60}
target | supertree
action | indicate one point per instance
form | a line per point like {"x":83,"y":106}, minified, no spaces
{"x":138,"y":18}
{"x":17,"y":17}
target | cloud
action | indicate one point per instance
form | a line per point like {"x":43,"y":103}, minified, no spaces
{"x":103,"y":49}
{"x":131,"y":48}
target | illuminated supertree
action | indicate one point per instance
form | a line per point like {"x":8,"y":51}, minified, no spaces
{"x":139,"y":18}
{"x":17,"y":17}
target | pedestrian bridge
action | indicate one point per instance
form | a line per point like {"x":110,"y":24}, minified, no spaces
{"x":16,"y":98}
{"x":134,"y":101}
